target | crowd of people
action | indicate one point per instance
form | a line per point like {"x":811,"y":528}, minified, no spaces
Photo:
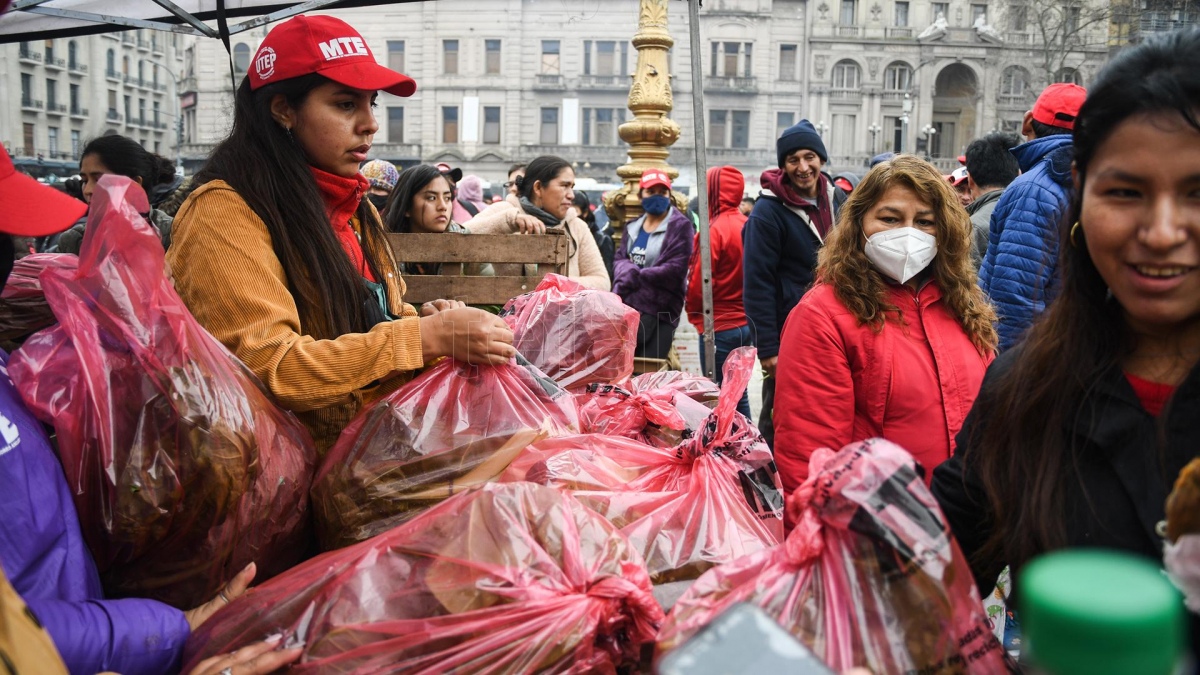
{"x":1028,"y":327}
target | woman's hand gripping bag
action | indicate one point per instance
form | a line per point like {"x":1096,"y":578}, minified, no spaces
{"x":23,"y":306}
{"x":454,"y":427}
{"x":576,"y":335}
{"x":870,"y":576}
{"x":710,"y":500}
{"x":183,"y":470}
{"x":513,"y":578}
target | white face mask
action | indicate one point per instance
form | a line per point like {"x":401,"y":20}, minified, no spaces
{"x":901,"y":253}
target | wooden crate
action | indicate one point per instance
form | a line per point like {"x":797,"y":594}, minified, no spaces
{"x":521,"y":261}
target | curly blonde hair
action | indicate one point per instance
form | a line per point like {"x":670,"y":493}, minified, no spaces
{"x":843,"y":263}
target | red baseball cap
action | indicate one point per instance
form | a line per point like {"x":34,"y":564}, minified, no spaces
{"x":322,"y":44}
{"x":958,"y":176}
{"x":652,"y":177}
{"x":30,"y":208}
{"x":1059,"y":104}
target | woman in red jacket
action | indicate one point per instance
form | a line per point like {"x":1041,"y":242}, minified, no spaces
{"x":894,"y":337}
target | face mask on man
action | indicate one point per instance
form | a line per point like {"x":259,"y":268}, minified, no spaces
{"x":656,"y":205}
{"x":378,"y":200}
{"x":901,"y":253}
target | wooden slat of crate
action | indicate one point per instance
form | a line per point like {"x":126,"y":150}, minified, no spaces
{"x":534,"y":249}
{"x":471,"y":290}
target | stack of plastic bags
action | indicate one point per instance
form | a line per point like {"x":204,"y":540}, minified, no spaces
{"x":503,"y":579}
{"x":870,"y":577}
{"x":709,"y":500}
{"x":455,"y":427}
{"x":182,"y":468}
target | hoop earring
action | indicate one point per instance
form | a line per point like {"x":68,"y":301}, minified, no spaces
{"x":1074,"y":228}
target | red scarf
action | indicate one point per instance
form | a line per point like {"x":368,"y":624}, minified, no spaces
{"x":821,"y":213}
{"x":342,"y":197}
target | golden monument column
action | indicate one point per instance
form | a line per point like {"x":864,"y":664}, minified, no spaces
{"x":650,"y":132}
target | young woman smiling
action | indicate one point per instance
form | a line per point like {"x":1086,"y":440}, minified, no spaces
{"x":894,"y":338}
{"x":282,"y":258}
{"x":1079,"y":433}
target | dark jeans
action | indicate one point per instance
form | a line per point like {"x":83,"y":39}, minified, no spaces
{"x":654,"y":337}
{"x":726,"y":341}
{"x":766,"y":418}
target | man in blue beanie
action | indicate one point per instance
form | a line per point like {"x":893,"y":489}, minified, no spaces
{"x":794,"y":213}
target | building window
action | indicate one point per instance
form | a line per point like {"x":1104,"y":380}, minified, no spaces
{"x":843,"y":135}
{"x":846,"y":75}
{"x":450,"y":57}
{"x":491,"y":124}
{"x":783,"y":120}
{"x":112,"y":103}
{"x":849,"y":11}
{"x":978,"y":11}
{"x":1068,"y":75}
{"x":897,"y":77}
{"x":1071,"y":25}
{"x":396,"y":55}
{"x":729,"y":128}
{"x":154,"y":70}
{"x":156,"y":111}
{"x":1018,"y":18}
{"x":125,"y":66}
{"x":1014,"y":83}
{"x":549,"y":128}
{"x":900,"y":18}
{"x":939,"y":8}
{"x":606,"y":58}
{"x":395,"y":120}
{"x":73,"y":92}
{"x":72,"y":55}
{"x":601,"y":58}
{"x":26,"y":89}
{"x":52,"y":139}
{"x":894,"y":128}
{"x":110,"y":63}
{"x":740,"y":133}
{"x":141,"y":111}
{"x":551,"y":58}
{"x":28,"y":129}
{"x":600,"y":125}
{"x":128,"y":107}
{"x":718,"y":128}
{"x":142,"y":71}
{"x":76,"y":144}
{"x":49,"y":51}
{"x":732,"y":59}
{"x":51,"y":93}
{"x":449,"y":124}
{"x":241,"y":59}
{"x":491,"y":57}
{"x":787,"y":62}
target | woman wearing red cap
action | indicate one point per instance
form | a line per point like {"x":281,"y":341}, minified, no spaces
{"x":279,"y":254}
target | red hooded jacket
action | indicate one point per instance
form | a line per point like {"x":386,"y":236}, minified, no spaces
{"x":725,"y":188}
{"x":841,"y":382}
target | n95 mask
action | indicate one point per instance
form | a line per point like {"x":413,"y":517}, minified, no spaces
{"x":901,"y":253}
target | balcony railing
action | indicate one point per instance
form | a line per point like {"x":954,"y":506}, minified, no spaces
{"x":740,"y":84}
{"x":604,"y":81}
{"x":76,"y":111}
{"x":77,"y":68}
{"x":396,"y":151}
{"x":897,"y":33}
{"x":848,"y":31}
{"x":56,"y":108}
{"x":891,"y":96}
{"x":751,"y":156}
{"x":1020,"y":39}
{"x":143,"y":44}
{"x":112,"y":74}
{"x":548,"y":81}
{"x":52,"y":62}
{"x":1011,"y":100}
{"x":30,"y":104}
{"x":29,"y":55}
{"x":113,"y":116}
{"x":845,"y":95}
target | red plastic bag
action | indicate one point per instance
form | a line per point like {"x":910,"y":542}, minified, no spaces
{"x":712,"y":499}
{"x":699,"y":389}
{"x":869,"y":577}
{"x":576,"y":335}
{"x":23,"y":306}
{"x":454,"y":427}
{"x":182,"y":468}
{"x":501,"y":579}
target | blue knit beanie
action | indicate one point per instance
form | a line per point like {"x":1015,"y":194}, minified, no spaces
{"x":800,"y":136}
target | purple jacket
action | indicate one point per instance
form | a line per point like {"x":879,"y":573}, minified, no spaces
{"x":662,"y":287}
{"x":43,"y":554}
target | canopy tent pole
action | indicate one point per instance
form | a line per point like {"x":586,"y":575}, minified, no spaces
{"x":710,"y":347}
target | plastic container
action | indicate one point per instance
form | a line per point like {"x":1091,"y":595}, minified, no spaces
{"x":1100,"y":613}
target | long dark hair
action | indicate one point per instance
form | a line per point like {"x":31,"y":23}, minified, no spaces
{"x":269,"y":170}
{"x":126,"y":157}
{"x":1024,"y":458}
{"x":412,"y":180}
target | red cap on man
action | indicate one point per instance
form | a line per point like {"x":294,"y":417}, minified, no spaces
{"x":1059,"y":104}
{"x":652,"y":177}
{"x":327,"y":46}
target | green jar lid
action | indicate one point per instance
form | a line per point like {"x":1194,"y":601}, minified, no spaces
{"x":1100,"y":613}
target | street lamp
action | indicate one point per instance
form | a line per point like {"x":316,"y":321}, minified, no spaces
{"x":928,"y":131}
{"x":907,"y":108}
{"x":874,"y":129}
{"x":822,"y":128}
{"x":178,"y":116}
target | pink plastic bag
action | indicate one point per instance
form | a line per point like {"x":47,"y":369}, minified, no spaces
{"x":699,"y":389}
{"x":23,"y":306}
{"x":869,"y":577}
{"x":576,"y":335}
{"x":712,"y":499}
{"x":454,"y":427}
{"x":501,"y":579}
{"x":183,"y":470}
{"x":660,"y":417}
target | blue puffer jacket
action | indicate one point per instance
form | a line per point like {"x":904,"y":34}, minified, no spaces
{"x":43,"y":554}
{"x":1019,"y":271}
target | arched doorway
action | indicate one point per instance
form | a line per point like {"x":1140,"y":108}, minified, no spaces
{"x":955,"y":96}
